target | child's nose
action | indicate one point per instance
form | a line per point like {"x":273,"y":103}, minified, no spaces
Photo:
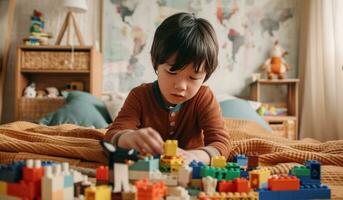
{"x":180,"y":84}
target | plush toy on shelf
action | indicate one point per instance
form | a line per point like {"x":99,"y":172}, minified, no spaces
{"x":30,"y":91}
{"x":276,"y":64}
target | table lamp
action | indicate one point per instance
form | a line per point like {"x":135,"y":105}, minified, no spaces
{"x":73,"y":6}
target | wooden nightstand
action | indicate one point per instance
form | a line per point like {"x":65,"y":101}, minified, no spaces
{"x":54,"y":66}
{"x":262,"y":90}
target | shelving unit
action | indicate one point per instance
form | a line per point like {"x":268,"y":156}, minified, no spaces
{"x":286,"y":126}
{"x":54,"y":66}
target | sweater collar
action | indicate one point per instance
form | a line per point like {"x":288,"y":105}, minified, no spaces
{"x":158,"y":96}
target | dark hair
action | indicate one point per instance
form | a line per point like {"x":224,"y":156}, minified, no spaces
{"x":190,"y":39}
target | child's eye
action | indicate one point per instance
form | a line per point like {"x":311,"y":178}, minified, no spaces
{"x":171,"y":73}
{"x":194,"y":78}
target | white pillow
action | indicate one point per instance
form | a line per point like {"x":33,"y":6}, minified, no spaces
{"x":114,"y":102}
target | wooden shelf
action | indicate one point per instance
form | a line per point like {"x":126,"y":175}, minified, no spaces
{"x":290,"y":102}
{"x":30,"y":68}
{"x":53,"y":71}
{"x":279,"y":118}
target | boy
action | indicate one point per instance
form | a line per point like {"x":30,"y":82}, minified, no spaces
{"x":176,"y":106}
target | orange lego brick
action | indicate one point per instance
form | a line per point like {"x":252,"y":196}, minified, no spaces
{"x":282,"y":183}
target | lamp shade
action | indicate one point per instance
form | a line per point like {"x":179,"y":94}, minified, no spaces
{"x":76,"y":5}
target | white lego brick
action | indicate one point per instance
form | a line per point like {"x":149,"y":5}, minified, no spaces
{"x":51,"y":182}
{"x":68,"y":193}
{"x":184,"y":175}
{"x":210,"y":184}
{"x":177,"y":193}
{"x":138,"y":175}
{"x":171,"y":179}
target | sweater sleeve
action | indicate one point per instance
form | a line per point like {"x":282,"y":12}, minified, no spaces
{"x":212,"y":123}
{"x":128,"y":117}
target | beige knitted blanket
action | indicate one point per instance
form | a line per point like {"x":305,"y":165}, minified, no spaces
{"x":80,"y":147}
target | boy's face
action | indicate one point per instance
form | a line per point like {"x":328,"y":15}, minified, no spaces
{"x":179,"y":86}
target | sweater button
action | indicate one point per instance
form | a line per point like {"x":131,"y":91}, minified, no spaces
{"x":171,"y":133}
{"x":172,"y":123}
{"x":172,"y":114}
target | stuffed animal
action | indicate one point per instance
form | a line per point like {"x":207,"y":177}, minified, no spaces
{"x":30,"y":91}
{"x":276,"y":64}
{"x":52,"y":92}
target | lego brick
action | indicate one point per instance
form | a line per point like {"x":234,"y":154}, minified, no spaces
{"x":137,"y":175}
{"x":170,"y":148}
{"x":252,"y":161}
{"x":231,"y":165}
{"x":241,"y":160}
{"x":102,"y":173}
{"x":241,"y":185}
{"x":11,"y":172}
{"x":148,"y":190}
{"x":3,"y":187}
{"x":232,"y":173}
{"x":68,"y":181}
{"x":196,"y":169}
{"x":226,"y":186}
{"x":196,"y":183}
{"x":33,"y":170}
{"x":177,"y":193}
{"x":98,"y":193}
{"x":149,"y":163}
{"x":259,"y":178}
{"x":218,"y":161}
{"x":300,"y":171}
{"x":171,"y":179}
{"x":52,"y":183}
{"x":314,"y":166}
{"x":281,"y":183}
{"x":209,"y":184}
{"x":68,"y":193}
{"x":314,"y":192}
{"x":184,"y":176}
{"x":307,"y":180}
{"x":244,"y":174}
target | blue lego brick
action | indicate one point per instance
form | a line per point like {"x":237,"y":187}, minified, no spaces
{"x":241,"y":160}
{"x":196,"y":169}
{"x":314,"y":192}
{"x":47,"y":163}
{"x":244,"y":174}
{"x":68,"y":181}
{"x":306,"y":180}
{"x":314,"y":166}
{"x":146,"y":164}
{"x":265,"y":194}
{"x":12,"y":172}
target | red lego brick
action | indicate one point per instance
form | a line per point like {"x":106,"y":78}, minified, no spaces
{"x":283,"y":183}
{"x":24,"y":190}
{"x":252,"y":160}
{"x":102,"y":173}
{"x":241,"y":185}
{"x":226,"y":186}
{"x":152,"y":191}
{"x":33,"y":174}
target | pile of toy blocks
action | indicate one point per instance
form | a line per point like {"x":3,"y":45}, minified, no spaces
{"x":130,"y":176}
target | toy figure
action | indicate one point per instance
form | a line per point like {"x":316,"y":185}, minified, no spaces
{"x":118,"y":158}
{"x":30,"y":91}
{"x":276,"y":64}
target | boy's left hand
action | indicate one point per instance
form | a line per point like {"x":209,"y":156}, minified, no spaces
{"x":190,"y":155}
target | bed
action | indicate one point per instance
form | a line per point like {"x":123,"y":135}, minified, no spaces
{"x":80,"y":147}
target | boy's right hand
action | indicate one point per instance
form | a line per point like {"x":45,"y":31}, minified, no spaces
{"x":145,"y":140}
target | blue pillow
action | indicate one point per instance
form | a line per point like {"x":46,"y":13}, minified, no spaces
{"x":81,"y":108}
{"x":241,"y":109}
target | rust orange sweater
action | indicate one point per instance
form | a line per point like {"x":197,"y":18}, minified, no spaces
{"x":196,"y":124}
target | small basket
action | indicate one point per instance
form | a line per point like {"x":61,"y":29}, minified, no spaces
{"x":55,"y":60}
{"x":31,"y":109}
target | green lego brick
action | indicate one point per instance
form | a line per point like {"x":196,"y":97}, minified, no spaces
{"x":300,"y":171}
{"x":232,"y":165}
{"x":232,"y":174}
{"x":164,"y":168}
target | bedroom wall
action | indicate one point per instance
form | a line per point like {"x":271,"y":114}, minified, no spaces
{"x":246,"y":31}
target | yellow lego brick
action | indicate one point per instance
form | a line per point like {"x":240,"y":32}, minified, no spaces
{"x":259,"y":177}
{"x":218,"y":161}
{"x":102,"y":192}
{"x":3,"y":187}
{"x":175,"y":164}
{"x":170,"y":147}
